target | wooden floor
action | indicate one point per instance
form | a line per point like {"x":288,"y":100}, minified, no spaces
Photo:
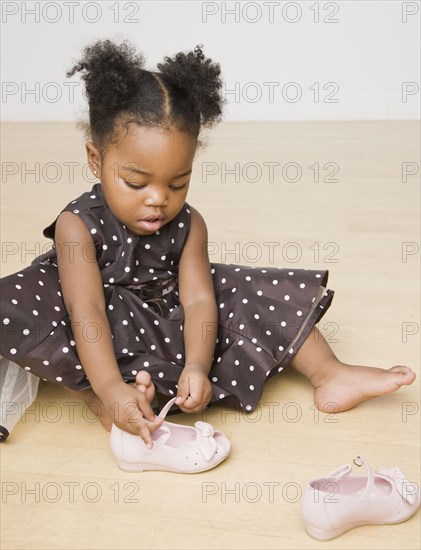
{"x":255,"y":184}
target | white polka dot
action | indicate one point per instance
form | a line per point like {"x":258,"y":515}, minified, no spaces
{"x":147,"y":246}
{"x":93,"y":231}
{"x":124,"y":350}
{"x":167,"y":340}
{"x":146,"y":363}
{"x":114,"y":237}
{"x":290,"y":273}
{"x":156,"y":322}
{"x":163,"y":257}
{"x":251,"y":368}
{"x":236,"y":362}
{"x":40,"y":283}
{"x":27,"y":368}
{"x":20,"y":274}
{"x":281,"y":348}
{"x":14,"y":301}
{"x":18,"y":287}
{"x":233,"y":290}
{"x":286,"y":297}
{"x":179,"y":356}
{"x":244,"y":300}
{"x":302,"y":285}
{"x":251,"y":387}
{"x":46,"y":363}
{"x":254,"y":340}
{"x":259,"y":292}
{"x":221,"y":396}
{"x":65,"y":349}
{"x":104,"y":247}
{"x":234,"y":382}
{"x":258,"y":349}
{"x":25,"y":332}
{"x":291,"y":350}
{"x":256,"y":316}
{"x":13,"y":351}
{"x":223,"y":280}
{"x":181,"y":224}
{"x":129,"y":240}
{"x":59,"y":378}
{"x":125,"y":322}
{"x":78,"y":367}
{"x":134,"y":372}
{"x":153,"y":347}
{"x":6,"y":321}
{"x":318,"y":275}
{"x":56,"y":308}
{"x":283,"y":324}
{"x":35,"y":312}
{"x":161,"y":375}
{"x":110,"y":306}
{"x":111,"y":280}
{"x":299,"y":313}
{"x":231,"y":315}
{"x":240,"y":342}
{"x":271,"y":308}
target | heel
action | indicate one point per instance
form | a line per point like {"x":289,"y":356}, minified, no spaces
{"x":127,"y":467}
{"x":319,"y":534}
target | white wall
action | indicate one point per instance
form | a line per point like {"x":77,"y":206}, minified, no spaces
{"x":361,"y":64}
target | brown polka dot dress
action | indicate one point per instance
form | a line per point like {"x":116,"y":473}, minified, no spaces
{"x":264,"y":314}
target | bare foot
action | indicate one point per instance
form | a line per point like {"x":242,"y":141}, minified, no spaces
{"x":341,"y":386}
{"x":145,"y":385}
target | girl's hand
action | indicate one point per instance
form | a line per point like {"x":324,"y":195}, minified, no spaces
{"x":194,"y":389}
{"x":131,"y":411}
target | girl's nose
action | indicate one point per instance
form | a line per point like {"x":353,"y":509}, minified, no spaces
{"x":157,"y":197}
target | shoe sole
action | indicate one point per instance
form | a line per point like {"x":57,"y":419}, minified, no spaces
{"x":138,"y":468}
{"x":319,"y":534}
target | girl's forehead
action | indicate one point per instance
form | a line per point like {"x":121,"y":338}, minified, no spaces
{"x":140,"y":139}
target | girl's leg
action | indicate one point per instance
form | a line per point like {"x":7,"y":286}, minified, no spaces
{"x":143,"y":383}
{"x":339,"y":386}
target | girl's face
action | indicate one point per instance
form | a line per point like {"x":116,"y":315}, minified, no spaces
{"x":147,"y":173}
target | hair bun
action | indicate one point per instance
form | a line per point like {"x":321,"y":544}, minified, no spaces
{"x":111,"y":73}
{"x":200,"y":80}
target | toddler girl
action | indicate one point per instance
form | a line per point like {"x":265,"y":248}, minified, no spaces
{"x":127,"y":294}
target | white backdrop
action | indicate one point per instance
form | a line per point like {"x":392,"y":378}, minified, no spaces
{"x":281,"y":60}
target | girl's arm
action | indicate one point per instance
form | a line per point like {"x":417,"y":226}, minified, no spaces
{"x":83,"y":297}
{"x":197,"y":295}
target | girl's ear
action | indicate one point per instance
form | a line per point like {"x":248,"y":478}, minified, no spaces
{"x":94,"y":158}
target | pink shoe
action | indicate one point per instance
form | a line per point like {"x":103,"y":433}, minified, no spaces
{"x":175,"y":448}
{"x":339,"y":502}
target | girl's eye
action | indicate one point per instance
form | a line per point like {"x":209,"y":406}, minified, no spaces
{"x":174,"y":187}
{"x":133,"y":186}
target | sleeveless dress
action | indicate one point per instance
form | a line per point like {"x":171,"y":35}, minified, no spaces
{"x":264,"y":314}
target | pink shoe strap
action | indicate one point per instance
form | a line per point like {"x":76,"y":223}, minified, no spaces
{"x":340,"y":472}
{"x":167,"y":407}
{"x":359,"y":460}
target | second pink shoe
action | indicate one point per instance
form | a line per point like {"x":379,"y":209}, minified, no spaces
{"x":339,"y":502}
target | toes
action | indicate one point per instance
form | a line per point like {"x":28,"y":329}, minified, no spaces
{"x":141,"y":388}
{"x":143,"y":377}
{"x":400,"y":368}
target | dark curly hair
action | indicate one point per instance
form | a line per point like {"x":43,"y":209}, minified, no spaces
{"x":185,"y":93}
